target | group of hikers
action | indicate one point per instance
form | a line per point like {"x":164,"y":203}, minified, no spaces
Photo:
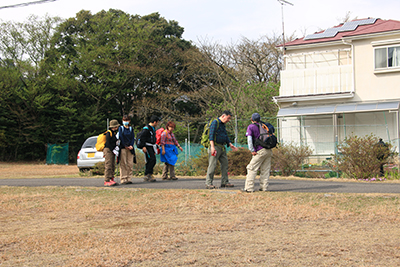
{"x":120,"y":142}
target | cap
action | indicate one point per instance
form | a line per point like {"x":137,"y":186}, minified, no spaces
{"x":256,"y":117}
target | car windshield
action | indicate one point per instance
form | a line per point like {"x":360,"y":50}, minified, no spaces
{"x":90,"y":142}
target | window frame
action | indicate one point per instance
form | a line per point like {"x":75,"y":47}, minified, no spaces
{"x":386,"y":68}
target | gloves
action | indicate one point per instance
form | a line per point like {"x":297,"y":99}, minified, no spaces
{"x":116,"y":151}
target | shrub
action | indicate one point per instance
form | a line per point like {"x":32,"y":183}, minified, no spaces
{"x":188,"y":169}
{"x":361,"y":157}
{"x":139,"y":167}
{"x":98,"y":169}
{"x":200,"y":163}
{"x":238,"y":161}
{"x":289,"y":157}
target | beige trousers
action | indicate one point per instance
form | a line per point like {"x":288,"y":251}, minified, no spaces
{"x":109,"y":164}
{"x":262,"y":162}
{"x":126,"y":165}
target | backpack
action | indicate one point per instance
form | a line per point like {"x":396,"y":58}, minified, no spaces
{"x":205,"y":137}
{"x":158,"y":135}
{"x":101,"y":140}
{"x":266,"y":139}
{"x":122,"y":129}
{"x":140,"y":142}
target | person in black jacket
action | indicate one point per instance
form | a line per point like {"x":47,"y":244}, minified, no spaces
{"x":149,"y":150}
{"x":110,"y":151}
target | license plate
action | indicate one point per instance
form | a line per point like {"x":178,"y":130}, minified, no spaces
{"x":90,"y":155}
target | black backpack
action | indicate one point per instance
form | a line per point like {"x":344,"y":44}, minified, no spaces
{"x":267,"y":138}
{"x":140,"y":142}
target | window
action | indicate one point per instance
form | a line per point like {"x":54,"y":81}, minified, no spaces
{"x":387,"y":57}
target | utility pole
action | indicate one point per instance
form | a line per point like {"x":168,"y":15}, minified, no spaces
{"x":283,"y":2}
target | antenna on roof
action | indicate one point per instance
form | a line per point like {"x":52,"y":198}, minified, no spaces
{"x":283,"y":2}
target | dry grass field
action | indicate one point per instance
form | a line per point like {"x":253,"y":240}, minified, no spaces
{"x":68,"y":226}
{"x":35,"y":170}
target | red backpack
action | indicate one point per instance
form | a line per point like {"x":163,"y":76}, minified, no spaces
{"x":158,"y":135}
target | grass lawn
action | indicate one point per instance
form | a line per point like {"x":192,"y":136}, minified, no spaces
{"x":71,"y":226}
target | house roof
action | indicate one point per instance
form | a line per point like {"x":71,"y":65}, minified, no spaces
{"x":338,"y":32}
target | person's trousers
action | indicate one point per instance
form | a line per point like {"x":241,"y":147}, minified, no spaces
{"x":150,"y":158}
{"x":212,"y":164}
{"x":126,"y":165}
{"x":168,"y":168}
{"x":109,"y":164}
{"x":262,"y":162}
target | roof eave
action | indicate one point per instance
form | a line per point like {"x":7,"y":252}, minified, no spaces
{"x":312,"y":45}
{"x":370,"y":35}
{"x":345,"y":38}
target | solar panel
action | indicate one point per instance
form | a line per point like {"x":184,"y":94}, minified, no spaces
{"x":348,"y":26}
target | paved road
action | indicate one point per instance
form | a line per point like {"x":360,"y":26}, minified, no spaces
{"x":275,"y":185}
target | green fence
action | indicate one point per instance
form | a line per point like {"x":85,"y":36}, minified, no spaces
{"x":193,"y":151}
{"x":57,"y":154}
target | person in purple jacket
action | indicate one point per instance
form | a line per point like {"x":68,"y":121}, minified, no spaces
{"x":261,"y":159}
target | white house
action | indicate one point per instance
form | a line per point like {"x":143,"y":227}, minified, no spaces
{"x":341,"y":81}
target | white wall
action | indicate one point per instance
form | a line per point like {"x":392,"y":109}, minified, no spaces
{"x":371,"y":85}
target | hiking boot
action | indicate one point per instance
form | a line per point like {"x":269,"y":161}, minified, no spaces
{"x":173,"y":178}
{"x":210,"y":186}
{"x":246,"y":191}
{"x":126,"y":182}
{"x":110,"y":183}
{"x":227,"y":185}
{"x":165,"y":178}
{"x":152,"y":179}
{"x":263,"y":190}
{"x":147,"y":177}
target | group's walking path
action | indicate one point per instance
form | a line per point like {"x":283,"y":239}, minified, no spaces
{"x":317,"y":186}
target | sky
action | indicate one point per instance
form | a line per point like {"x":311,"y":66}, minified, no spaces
{"x":222,"y":21}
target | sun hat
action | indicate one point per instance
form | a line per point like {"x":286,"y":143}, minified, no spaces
{"x":114,"y":123}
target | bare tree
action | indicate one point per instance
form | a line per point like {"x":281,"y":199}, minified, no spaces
{"x":346,"y":18}
{"x":239,"y":69}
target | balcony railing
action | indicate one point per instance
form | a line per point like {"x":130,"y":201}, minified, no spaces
{"x":315,"y":81}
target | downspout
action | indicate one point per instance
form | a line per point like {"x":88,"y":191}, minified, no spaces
{"x":278,"y":121}
{"x":352,"y":62}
